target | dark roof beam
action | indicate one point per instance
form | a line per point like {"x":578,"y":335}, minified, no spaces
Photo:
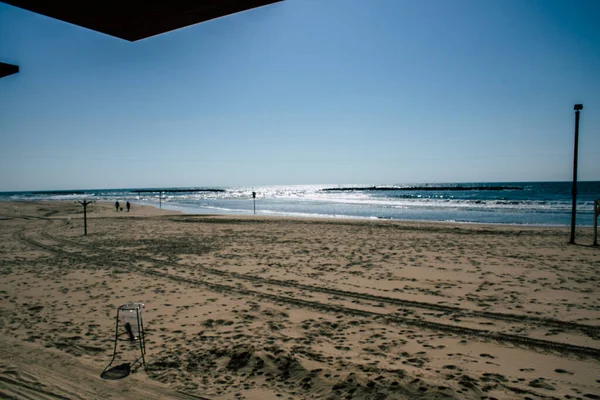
{"x":136,"y":19}
{"x":8,"y":69}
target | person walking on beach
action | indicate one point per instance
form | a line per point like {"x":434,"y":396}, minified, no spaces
{"x":117,"y":205}
{"x":128,"y":206}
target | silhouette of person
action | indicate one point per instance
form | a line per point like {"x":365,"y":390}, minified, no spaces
{"x":117,"y":205}
{"x":128,"y":206}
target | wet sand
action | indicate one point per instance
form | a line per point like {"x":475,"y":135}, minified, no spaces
{"x":270,"y":308}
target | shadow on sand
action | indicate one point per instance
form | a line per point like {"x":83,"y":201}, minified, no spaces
{"x":593,"y":246}
{"x":117,"y":372}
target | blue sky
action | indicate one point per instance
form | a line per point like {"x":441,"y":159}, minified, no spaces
{"x":305,"y":91}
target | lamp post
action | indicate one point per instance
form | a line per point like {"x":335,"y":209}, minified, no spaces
{"x":596,"y":215}
{"x":577,"y":108}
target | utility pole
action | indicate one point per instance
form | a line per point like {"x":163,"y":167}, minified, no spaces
{"x":85,"y":203}
{"x":577,"y":108}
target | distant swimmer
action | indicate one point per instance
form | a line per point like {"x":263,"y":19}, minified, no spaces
{"x":117,"y":205}
{"x":128,"y":206}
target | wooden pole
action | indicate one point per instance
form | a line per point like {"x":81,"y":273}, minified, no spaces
{"x":254,"y":201}
{"x":85,"y":203}
{"x":577,"y":108}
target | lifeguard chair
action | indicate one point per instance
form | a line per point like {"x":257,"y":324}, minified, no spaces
{"x":129,"y":327}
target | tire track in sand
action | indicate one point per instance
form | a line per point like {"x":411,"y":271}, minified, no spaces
{"x":547,"y":345}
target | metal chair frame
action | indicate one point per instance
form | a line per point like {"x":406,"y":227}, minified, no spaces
{"x":140,"y":338}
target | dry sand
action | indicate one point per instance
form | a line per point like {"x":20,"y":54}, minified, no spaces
{"x":270,"y":308}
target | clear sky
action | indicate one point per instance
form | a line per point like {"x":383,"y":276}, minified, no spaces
{"x":306,"y":91}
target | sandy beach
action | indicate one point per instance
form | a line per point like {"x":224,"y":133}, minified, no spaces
{"x":280,"y":308}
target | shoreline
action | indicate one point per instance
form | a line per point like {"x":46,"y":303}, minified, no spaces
{"x":538,"y":204}
{"x":359,"y":218}
{"x":169,"y":209}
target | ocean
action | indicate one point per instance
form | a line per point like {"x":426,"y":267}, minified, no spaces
{"x":525,"y":203}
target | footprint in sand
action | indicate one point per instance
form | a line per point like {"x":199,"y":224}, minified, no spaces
{"x":541,"y":383}
{"x":563,"y":371}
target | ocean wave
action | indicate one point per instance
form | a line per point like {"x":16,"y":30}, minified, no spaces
{"x":461,"y":204}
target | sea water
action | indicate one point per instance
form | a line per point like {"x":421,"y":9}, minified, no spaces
{"x":528,"y":203}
